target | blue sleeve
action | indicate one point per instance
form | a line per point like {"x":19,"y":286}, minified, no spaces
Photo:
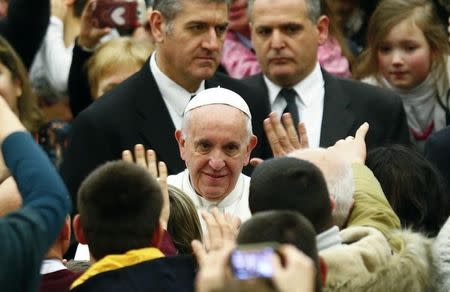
{"x":27,"y":234}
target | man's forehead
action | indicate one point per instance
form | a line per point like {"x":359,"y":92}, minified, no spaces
{"x":217,"y":117}
{"x":203,"y":11}
{"x":268,"y":11}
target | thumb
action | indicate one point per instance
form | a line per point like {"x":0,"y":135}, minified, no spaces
{"x":256,"y":161}
{"x":199,"y":251}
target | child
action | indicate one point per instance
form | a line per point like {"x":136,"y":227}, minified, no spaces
{"x":407,"y":51}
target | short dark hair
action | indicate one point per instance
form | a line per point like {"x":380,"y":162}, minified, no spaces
{"x":285,"y":227}
{"x":119,"y":205}
{"x":289,"y":183}
{"x":413,"y":187}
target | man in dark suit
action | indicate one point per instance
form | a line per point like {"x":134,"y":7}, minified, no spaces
{"x":286,"y":35}
{"x":149,"y":106}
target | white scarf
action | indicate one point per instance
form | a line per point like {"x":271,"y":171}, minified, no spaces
{"x":420,"y":105}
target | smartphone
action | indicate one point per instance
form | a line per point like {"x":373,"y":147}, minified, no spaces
{"x":122,"y":14}
{"x":251,"y":261}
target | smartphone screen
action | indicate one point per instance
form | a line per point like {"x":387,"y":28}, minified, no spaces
{"x":251,"y":263}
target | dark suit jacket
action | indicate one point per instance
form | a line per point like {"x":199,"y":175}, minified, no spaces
{"x":164,"y":274}
{"x":437,"y":150}
{"x":347,"y":105}
{"x":134,"y":112}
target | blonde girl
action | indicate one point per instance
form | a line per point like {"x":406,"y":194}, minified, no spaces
{"x":407,"y":51}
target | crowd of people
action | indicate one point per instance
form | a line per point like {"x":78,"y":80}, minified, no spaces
{"x":225,"y":145}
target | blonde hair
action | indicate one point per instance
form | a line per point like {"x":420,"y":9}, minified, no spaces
{"x":114,"y":54}
{"x":184,"y":224}
{"x":27,"y":103}
{"x":388,"y":14}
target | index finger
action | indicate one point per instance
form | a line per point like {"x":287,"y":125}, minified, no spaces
{"x":362,"y":131}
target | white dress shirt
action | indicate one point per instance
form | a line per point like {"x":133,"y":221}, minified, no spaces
{"x":235,"y":203}
{"x":175,"y":97}
{"x":310,"y":98}
{"x":51,"y":265}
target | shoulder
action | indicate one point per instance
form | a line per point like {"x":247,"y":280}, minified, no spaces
{"x":360,"y":92}
{"x":176,"y":180}
{"x":440,"y":139}
{"x":120,"y":99}
{"x":255,"y":80}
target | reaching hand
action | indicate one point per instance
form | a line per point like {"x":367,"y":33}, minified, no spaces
{"x":90,"y":33}
{"x":352,"y":149}
{"x":147,"y":159}
{"x":213,"y":256}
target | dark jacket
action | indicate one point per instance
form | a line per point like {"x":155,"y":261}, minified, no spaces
{"x":164,"y":274}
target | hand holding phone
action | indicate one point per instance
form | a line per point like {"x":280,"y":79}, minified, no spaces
{"x":123,"y":14}
{"x":251,"y":261}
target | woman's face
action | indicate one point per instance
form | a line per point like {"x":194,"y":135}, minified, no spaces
{"x":404,"y":56}
{"x":10,"y":89}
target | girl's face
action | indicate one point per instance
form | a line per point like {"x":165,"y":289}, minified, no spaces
{"x":10,"y":89}
{"x":404,"y":56}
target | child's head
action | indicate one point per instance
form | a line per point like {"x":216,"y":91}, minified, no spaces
{"x":115,"y":61}
{"x":406,"y":41}
{"x":119,"y":206}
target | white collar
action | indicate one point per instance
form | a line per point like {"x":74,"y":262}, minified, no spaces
{"x":329,"y":238}
{"x":175,"y":95}
{"x":306,"y":89}
{"x":201,"y":202}
{"x":51,"y":265}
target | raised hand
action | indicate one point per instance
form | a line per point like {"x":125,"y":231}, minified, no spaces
{"x":213,"y":256}
{"x":90,"y":33}
{"x":298,"y":272}
{"x":147,"y":159}
{"x":282,"y":136}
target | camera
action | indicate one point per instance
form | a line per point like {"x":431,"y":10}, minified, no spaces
{"x":251,"y":261}
{"x":122,"y":14}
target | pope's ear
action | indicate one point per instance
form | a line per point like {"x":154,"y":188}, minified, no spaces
{"x":179,"y":136}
